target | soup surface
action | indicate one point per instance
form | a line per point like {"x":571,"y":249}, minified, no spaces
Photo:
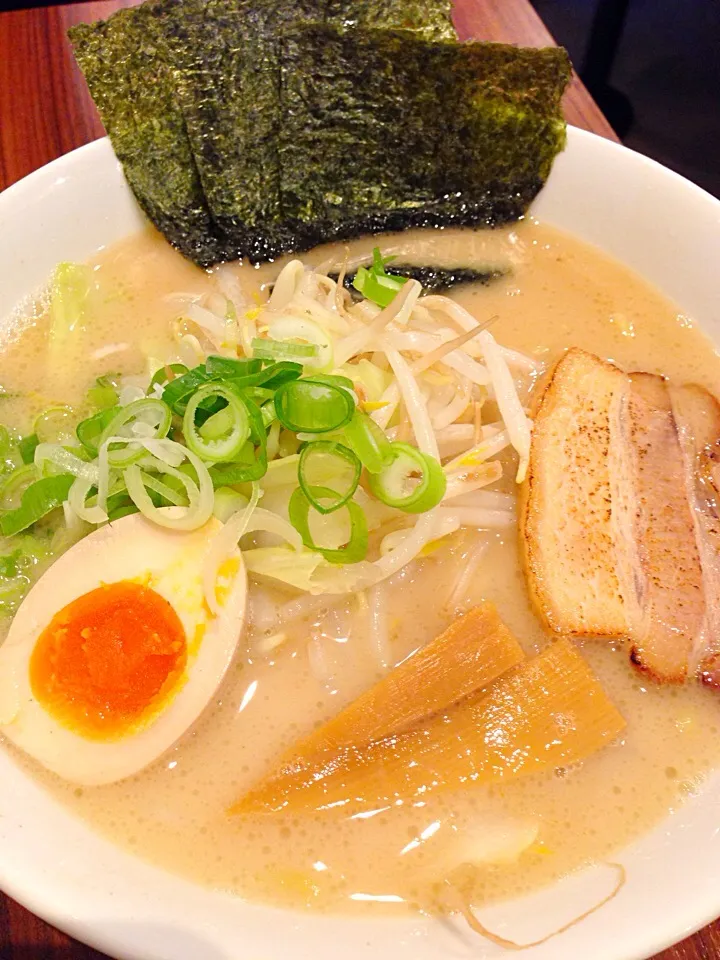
{"x":291,"y":674}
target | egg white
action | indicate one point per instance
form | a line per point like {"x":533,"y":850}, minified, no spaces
{"x":171,"y":562}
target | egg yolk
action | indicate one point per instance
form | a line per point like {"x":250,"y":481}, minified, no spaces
{"x":109,"y":660}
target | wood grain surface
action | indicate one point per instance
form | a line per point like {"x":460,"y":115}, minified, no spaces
{"x":45,"y":111}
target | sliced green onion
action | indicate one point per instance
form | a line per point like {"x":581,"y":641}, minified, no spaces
{"x":283,"y":349}
{"x":375,"y":283}
{"x":178,"y":391}
{"x":216,"y":425}
{"x":102,"y":397}
{"x":273,"y":437}
{"x":224,"y":444}
{"x":229,"y":368}
{"x":77,"y":497}
{"x":259,"y":394}
{"x":162,"y":376}
{"x":334,"y":379}
{"x":329,"y":461}
{"x":176,"y":485}
{"x":38,"y":500}
{"x":279,"y":373}
{"x":313,"y":406}
{"x":155,"y":413}
{"x":90,"y":430}
{"x":167,"y":493}
{"x":267,"y":411}
{"x":199,"y":494}
{"x":54,"y":424}
{"x":250,"y":465}
{"x":252,"y":460}
{"x":368,"y":441}
{"x":15,"y":484}
{"x":64,"y":461}
{"x":227,"y":502}
{"x":104,"y":393}
{"x":356,"y":547}
{"x":27,"y":446}
{"x":293,"y":329}
{"x":412,"y":481}
{"x":122,"y":507}
{"x":242,"y":374}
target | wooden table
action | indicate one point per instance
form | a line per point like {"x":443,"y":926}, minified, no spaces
{"x":45,"y":111}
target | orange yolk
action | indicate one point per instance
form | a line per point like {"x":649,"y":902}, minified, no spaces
{"x":108,"y":660}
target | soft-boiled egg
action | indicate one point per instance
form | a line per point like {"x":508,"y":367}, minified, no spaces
{"x":114,"y":653}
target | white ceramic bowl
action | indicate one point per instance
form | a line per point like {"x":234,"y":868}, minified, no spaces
{"x":664,"y":228}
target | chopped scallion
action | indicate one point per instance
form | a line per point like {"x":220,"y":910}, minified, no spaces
{"x":224,"y":434}
{"x":37,"y":501}
{"x":162,"y":375}
{"x":375,"y":284}
{"x":27,"y":446}
{"x":229,"y":368}
{"x":324,"y":462}
{"x":152,"y":414}
{"x":354,"y":550}
{"x":368,"y":441}
{"x":54,"y":425}
{"x":411,"y":481}
{"x":104,"y":393}
{"x":14,"y":484}
{"x":313,"y":406}
{"x":283,"y":349}
{"x":89,"y":431}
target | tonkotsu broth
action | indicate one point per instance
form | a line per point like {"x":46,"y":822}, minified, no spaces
{"x":560,"y":293}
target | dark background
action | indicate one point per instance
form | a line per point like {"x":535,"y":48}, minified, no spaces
{"x":668,"y":66}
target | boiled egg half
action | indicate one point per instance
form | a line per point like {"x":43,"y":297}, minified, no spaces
{"x":114,"y":653}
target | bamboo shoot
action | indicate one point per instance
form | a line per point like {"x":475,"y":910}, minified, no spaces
{"x":549,"y":712}
{"x":476,"y":649}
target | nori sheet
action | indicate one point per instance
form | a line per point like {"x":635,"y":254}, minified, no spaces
{"x":230,"y":97}
{"x":229,"y":93}
{"x":382,"y":131}
{"x":248,"y":128}
{"x":126,"y":69}
{"x":434,"y":278}
{"x":431,"y":19}
{"x":188,"y":91}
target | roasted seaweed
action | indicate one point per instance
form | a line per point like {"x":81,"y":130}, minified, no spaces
{"x":431,"y":19}
{"x":230,"y":97}
{"x":382,"y":131}
{"x":125,"y":65}
{"x":248,"y":128}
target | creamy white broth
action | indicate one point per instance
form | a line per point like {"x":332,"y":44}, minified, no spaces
{"x":558,"y":293}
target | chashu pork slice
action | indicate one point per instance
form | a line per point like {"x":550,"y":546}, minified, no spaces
{"x":567,"y":530}
{"x":697,"y":415}
{"x":657,"y":552}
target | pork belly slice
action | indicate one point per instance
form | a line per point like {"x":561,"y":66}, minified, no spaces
{"x":697,"y":415}
{"x":659,"y":566}
{"x":567,"y":531}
